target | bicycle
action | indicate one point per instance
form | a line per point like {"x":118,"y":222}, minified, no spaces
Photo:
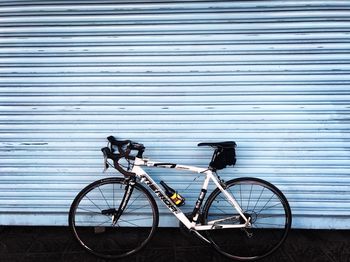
{"x":243,"y":219}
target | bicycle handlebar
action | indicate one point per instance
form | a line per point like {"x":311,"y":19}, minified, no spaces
{"x":130,"y":145}
{"x":124,"y":148}
{"x":115,"y":157}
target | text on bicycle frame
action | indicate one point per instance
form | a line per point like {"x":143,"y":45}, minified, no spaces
{"x":160,"y":194}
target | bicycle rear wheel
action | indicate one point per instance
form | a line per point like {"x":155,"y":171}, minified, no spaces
{"x":269,"y":213}
{"x":92,"y":212}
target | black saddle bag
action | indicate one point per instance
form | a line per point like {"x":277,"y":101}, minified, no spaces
{"x":223,"y":157}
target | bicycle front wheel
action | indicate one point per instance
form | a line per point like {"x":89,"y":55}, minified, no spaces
{"x":261,"y":202}
{"x":92,"y":218}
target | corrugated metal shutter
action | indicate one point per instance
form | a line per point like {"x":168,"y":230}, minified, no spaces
{"x":271,"y":75}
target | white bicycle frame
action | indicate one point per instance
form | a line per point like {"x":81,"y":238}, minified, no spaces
{"x":209,"y":175}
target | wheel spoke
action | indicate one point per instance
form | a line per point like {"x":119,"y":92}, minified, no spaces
{"x":130,"y":204}
{"x":240,"y":192}
{"x":270,"y":224}
{"x":103,"y":196}
{"x":93,"y":203}
{"x":268,"y":216}
{"x":128,"y":222}
{"x":137,"y":208}
{"x":250,"y":194}
{"x":136,"y":219}
{"x":90,"y":211}
{"x":267,"y":208}
{"x":265,"y":204}
{"x":220,"y":210}
{"x":103,"y":222}
{"x":259,"y":198}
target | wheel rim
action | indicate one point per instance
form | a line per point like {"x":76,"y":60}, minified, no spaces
{"x":268,"y":212}
{"x":92,"y":220}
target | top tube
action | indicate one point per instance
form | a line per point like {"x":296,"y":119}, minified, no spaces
{"x":146,"y":162}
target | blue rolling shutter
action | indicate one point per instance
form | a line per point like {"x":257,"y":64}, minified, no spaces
{"x":271,"y":75}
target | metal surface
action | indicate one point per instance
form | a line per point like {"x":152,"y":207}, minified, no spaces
{"x":271,"y":75}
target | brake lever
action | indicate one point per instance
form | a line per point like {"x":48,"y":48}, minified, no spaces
{"x":106,"y":164}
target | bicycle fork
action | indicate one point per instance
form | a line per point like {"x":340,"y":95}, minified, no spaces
{"x":116,"y":213}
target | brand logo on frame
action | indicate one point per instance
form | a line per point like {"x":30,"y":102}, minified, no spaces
{"x":165,"y":200}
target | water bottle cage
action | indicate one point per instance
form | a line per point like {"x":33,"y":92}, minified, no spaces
{"x":177,"y":199}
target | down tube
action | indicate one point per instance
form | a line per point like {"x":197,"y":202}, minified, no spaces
{"x":158,"y":191}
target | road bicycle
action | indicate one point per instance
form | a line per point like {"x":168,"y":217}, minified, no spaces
{"x":243,"y":218}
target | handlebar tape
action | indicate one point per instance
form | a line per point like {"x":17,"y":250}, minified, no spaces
{"x":115,"y":157}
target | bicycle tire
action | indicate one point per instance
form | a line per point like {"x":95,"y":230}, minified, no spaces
{"x":93,"y":228}
{"x":260,"y":201}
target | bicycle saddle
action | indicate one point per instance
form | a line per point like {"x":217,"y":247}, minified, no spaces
{"x":226,"y":144}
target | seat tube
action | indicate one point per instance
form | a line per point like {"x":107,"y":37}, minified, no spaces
{"x":199,"y":202}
